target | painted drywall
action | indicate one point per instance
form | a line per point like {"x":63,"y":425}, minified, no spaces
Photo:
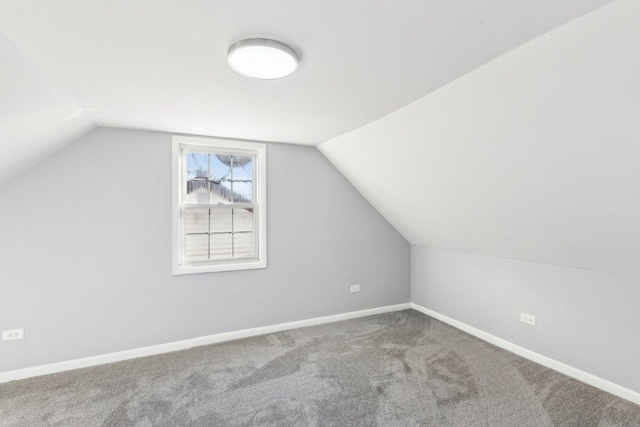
{"x":85,"y":253}
{"x":586,"y":319}
{"x":533,"y":156}
{"x":36,"y":117}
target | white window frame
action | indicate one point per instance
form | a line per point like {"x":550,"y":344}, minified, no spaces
{"x":179,"y":188}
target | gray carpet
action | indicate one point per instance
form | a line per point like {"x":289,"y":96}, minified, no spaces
{"x":396,"y":369}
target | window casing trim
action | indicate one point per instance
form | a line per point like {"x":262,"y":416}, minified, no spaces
{"x":179,"y":186}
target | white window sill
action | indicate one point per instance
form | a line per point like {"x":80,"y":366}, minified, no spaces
{"x":213,"y":268}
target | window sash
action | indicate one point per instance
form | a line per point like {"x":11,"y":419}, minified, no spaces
{"x":187,"y":148}
{"x":233,"y":232}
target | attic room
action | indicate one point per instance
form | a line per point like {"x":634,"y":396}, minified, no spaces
{"x":282,"y":213}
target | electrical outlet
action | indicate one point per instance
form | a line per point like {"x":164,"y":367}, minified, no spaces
{"x":15,"y":334}
{"x":355,"y":288}
{"x":528,"y":319}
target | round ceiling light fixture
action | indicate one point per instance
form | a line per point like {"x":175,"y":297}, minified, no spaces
{"x":262,"y":59}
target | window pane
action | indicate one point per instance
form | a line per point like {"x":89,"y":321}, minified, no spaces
{"x":221,"y":246}
{"x":196,"y":221}
{"x":198,"y":191}
{"x":242,"y":220}
{"x":244,"y":245}
{"x":206,"y":176}
{"x":197,"y":165}
{"x":243,"y":167}
{"x":196,"y":247}
{"x":219,"y":193}
{"x":221,"y":220}
{"x":242,"y":192}
{"x":242,"y":179}
{"x":206,"y":166}
{"x":239,"y":181}
{"x":220,"y":170}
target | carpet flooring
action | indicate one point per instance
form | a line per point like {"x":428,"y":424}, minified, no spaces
{"x":395,"y":369}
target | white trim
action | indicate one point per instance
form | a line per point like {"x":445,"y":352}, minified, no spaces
{"x":52,"y":368}
{"x":234,"y":146}
{"x":570,"y":371}
{"x":567,"y":370}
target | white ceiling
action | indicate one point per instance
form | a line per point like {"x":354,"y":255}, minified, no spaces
{"x":534,"y":156}
{"x":36,"y":117}
{"x":161,"y":64}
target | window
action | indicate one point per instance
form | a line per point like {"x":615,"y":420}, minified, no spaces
{"x":219,"y":205}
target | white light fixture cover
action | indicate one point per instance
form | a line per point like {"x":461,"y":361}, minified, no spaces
{"x":262,"y":59}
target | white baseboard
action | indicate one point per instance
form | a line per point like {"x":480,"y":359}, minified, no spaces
{"x":52,"y":368}
{"x":567,"y":370}
{"x":570,"y":371}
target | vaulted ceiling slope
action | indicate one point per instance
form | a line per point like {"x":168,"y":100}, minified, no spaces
{"x":534,"y":156}
{"x":36,"y":117}
{"x":161,"y":64}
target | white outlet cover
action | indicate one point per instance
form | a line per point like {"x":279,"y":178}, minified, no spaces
{"x":528,"y":319}
{"x":14,"y":334}
{"x":355,"y":288}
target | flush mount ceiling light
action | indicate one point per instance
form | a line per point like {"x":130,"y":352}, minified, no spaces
{"x":262,"y":59}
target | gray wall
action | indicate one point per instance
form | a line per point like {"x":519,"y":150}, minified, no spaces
{"x":85,"y":252}
{"x":586,"y":319}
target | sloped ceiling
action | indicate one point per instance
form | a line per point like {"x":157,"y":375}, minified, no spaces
{"x":161,"y":64}
{"x":36,"y":117}
{"x":534,"y":156}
